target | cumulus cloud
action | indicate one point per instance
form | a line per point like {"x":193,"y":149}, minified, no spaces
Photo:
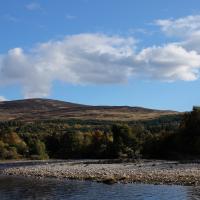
{"x":77,"y":59}
{"x":192,"y":42}
{"x":94,"y":59}
{"x":169,"y":63}
{"x":182,"y":27}
{"x":186,"y":28}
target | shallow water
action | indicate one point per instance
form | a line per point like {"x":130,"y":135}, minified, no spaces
{"x":28,"y":188}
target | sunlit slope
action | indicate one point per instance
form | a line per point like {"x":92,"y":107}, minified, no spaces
{"x":47,"y":109}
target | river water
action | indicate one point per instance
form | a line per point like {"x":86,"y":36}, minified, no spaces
{"x":12,"y":188}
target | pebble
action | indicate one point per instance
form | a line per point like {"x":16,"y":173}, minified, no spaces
{"x":156,"y":172}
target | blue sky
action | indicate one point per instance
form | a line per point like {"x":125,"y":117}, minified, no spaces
{"x":102,"y":52}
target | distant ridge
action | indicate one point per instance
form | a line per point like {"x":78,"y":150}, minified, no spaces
{"x":48,"y":109}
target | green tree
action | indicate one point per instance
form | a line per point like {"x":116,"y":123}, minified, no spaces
{"x":38,"y":150}
{"x":125,"y":142}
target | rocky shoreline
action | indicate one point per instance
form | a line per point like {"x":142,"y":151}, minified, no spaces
{"x":140,"y":171}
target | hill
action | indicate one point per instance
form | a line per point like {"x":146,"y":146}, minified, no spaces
{"x":47,"y":109}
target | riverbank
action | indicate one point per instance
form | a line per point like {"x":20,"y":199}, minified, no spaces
{"x":142,"y":171}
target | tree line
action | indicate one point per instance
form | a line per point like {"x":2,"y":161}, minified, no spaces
{"x":171,"y":137}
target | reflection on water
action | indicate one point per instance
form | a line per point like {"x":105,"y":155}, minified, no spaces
{"x":27,"y":188}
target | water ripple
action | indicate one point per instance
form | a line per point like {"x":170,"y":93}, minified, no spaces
{"x":12,"y":188}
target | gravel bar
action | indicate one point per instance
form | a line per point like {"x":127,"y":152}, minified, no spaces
{"x":142,"y":171}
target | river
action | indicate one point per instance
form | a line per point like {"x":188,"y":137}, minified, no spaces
{"x":12,"y":188}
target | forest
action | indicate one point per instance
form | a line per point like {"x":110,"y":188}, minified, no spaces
{"x":168,"y":137}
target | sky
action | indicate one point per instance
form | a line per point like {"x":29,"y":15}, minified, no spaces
{"x":102,"y":52}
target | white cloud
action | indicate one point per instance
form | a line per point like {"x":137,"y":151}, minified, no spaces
{"x":94,"y":59}
{"x":33,"y":6}
{"x":186,"y":28}
{"x":2,"y":98}
{"x":169,"y":63}
{"x":182,"y":27}
{"x":78,"y":59}
{"x":192,"y":42}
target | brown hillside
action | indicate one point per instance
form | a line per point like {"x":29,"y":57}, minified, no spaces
{"x":46,"y":109}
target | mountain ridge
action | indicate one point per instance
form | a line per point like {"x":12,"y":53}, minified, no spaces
{"x":47,"y":109}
